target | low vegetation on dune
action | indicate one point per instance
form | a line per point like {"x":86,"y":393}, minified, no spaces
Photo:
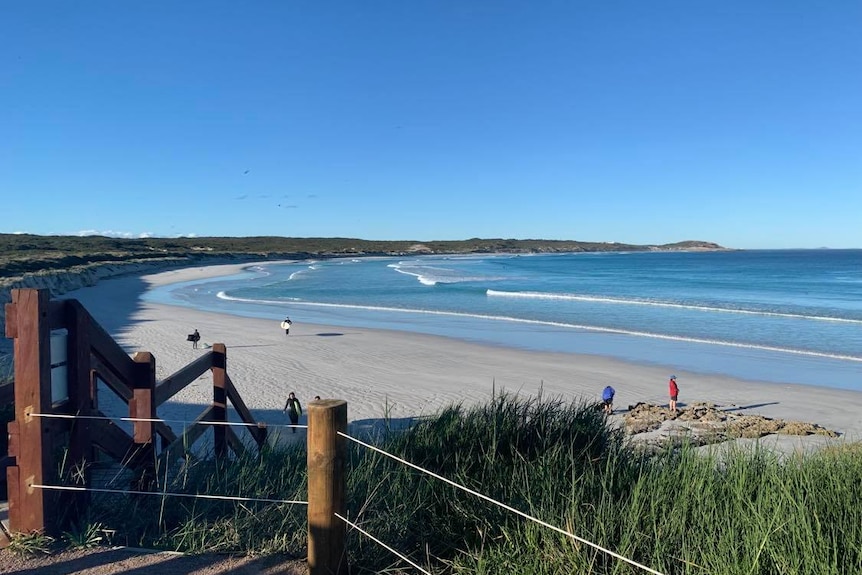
{"x":676,"y":511}
{"x":27,"y":253}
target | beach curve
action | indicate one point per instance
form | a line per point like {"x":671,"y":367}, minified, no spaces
{"x":399,"y":376}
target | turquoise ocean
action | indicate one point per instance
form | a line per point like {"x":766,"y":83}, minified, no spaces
{"x":780,"y":316}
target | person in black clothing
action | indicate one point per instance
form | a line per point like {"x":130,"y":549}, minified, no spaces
{"x":293,"y":409}
{"x":194,"y":338}
{"x":286,"y":325}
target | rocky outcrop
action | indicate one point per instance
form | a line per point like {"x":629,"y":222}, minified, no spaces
{"x":705,"y":423}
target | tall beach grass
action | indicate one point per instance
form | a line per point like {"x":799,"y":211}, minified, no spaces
{"x":679,"y":511}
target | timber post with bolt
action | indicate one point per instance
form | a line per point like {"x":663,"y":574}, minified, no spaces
{"x":30,"y":438}
{"x":327,"y":456}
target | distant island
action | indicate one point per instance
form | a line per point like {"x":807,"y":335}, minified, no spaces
{"x":26,"y":253}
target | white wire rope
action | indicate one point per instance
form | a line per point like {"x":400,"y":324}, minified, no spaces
{"x":165,"y":494}
{"x":381,"y":543}
{"x":504,"y":506}
{"x":261,"y":425}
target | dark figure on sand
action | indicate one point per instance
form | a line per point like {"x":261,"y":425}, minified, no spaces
{"x":608,"y":399}
{"x":673,"y":389}
{"x":293,"y":410}
{"x":285,"y":325}
{"x":194,"y":338}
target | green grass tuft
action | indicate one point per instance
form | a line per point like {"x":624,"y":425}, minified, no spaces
{"x":678,"y":512}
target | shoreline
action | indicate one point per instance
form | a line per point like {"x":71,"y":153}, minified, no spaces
{"x":402,"y":375}
{"x":734,"y":354}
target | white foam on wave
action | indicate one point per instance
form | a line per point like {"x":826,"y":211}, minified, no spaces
{"x":259,"y":271}
{"x":443,"y":275}
{"x":611,"y":300}
{"x":223,"y":295}
{"x":424,"y":280}
{"x":803,"y":352}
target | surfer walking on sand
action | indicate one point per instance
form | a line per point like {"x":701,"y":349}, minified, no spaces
{"x":194,"y":337}
{"x":293,"y":409}
{"x":285,"y":325}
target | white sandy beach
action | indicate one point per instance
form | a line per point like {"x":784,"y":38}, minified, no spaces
{"x":403,"y":375}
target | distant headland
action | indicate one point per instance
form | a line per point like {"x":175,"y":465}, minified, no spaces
{"x":22,"y":254}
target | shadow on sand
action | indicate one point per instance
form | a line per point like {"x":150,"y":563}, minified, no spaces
{"x":752,"y":406}
{"x":321,"y":334}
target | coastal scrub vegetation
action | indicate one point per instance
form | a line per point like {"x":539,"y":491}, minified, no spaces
{"x":678,"y":511}
{"x":27,"y":253}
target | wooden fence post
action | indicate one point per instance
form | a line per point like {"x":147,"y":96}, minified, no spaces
{"x":30,"y":437}
{"x":219,"y":371}
{"x":81,"y":454}
{"x":327,"y":455}
{"x":142,"y":405}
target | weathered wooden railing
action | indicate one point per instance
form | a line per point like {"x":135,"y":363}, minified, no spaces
{"x":58,"y":374}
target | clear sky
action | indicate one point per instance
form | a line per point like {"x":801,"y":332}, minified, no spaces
{"x":734,"y":121}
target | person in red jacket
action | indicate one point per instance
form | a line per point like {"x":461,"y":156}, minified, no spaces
{"x":673,"y":388}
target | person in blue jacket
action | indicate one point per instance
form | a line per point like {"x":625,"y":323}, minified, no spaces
{"x":608,"y":399}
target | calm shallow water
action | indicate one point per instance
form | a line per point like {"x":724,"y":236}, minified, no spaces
{"x":781,"y":316}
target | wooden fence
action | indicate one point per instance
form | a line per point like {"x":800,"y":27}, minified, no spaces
{"x":61,"y":356}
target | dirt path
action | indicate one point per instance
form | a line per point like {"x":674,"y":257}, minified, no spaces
{"x":110,"y":561}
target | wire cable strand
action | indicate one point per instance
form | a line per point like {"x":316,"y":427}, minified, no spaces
{"x":165,"y":494}
{"x":381,"y":543}
{"x":261,"y":424}
{"x":504,"y":506}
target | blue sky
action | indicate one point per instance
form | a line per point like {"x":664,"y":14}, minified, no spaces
{"x":731,"y":121}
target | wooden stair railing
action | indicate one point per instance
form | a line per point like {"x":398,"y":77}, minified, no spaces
{"x":94,"y":357}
